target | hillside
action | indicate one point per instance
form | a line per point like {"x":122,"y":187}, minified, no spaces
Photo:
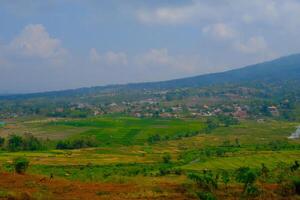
{"x":284,"y":69}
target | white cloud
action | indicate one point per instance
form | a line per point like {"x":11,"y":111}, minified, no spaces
{"x":34,"y":41}
{"x":161,"y":58}
{"x":276,"y":13}
{"x":252,"y":45}
{"x":110,"y":57}
{"x":155,"y":56}
{"x":176,"y":15}
{"x":220,"y":31}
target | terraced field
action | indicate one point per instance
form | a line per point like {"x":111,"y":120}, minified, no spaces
{"x":125,"y":155}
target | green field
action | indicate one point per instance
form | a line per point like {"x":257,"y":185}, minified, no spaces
{"x":125,"y":155}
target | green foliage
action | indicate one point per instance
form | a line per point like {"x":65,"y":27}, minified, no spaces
{"x":31,"y":143}
{"x":15,"y":143}
{"x":218,"y":121}
{"x":26,"y":143}
{"x":166,"y":158}
{"x":212,"y":123}
{"x":77,"y":143}
{"x":20,"y":164}
{"x":296,"y":183}
{"x":206,"y":180}
{"x":206,"y":196}
{"x":154,"y":138}
{"x":225,"y":177}
{"x":246,"y":176}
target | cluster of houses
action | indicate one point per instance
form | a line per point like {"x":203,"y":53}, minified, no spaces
{"x":152,"y":107}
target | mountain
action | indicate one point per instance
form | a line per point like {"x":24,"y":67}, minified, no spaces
{"x":281,"y":70}
{"x":276,"y":71}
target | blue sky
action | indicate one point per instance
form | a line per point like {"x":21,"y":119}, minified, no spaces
{"x":61,"y":44}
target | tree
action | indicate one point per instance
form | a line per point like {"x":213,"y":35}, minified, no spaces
{"x":225,"y":177}
{"x":63,"y":145}
{"x":246,"y":176}
{"x":21,"y":164}
{"x":154,"y":138}
{"x":212,"y":123}
{"x":31,"y":143}
{"x":14,"y":143}
{"x":205,"y":181}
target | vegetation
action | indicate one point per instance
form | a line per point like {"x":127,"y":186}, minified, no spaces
{"x":197,"y":138}
{"x":21,"y":164}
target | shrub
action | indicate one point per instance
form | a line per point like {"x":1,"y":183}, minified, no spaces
{"x":206,"y":196}
{"x":296,"y":183}
{"x":21,"y":164}
{"x":225,"y":177}
{"x":166,"y":158}
{"x":154,"y":138}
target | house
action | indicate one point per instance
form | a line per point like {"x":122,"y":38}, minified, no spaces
{"x":240,"y":113}
{"x":273,"y":110}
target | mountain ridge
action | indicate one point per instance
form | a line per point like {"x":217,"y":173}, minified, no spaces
{"x":281,"y":69}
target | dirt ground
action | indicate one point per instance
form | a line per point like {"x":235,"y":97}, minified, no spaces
{"x":26,"y":187}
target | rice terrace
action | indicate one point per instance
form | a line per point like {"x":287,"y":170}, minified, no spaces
{"x":149,"y":100}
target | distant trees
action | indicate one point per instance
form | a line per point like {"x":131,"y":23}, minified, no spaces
{"x":154,"y":138}
{"x":14,"y":143}
{"x":77,"y":143}
{"x":218,"y":121}
{"x":26,"y":143}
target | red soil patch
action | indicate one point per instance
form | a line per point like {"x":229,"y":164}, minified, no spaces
{"x":61,"y":189}
{"x":27,"y":187}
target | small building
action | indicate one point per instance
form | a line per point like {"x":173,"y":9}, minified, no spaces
{"x":273,"y":110}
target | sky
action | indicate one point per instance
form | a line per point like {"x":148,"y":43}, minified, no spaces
{"x":62,"y":44}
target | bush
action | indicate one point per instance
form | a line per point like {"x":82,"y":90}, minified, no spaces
{"x":296,"y":183}
{"x":154,"y":138}
{"x":21,"y":164}
{"x":206,"y":196}
{"x":166,"y":158}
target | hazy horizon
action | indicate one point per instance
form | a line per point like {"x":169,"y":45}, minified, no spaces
{"x":57,"y":45}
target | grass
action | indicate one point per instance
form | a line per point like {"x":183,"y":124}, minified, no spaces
{"x":252,"y":160}
{"x":130,"y":131}
{"x":125,"y":156}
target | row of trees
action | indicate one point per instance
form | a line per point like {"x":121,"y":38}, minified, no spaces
{"x":17,"y":143}
{"x":28,"y":142}
{"x":77,"y":143}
